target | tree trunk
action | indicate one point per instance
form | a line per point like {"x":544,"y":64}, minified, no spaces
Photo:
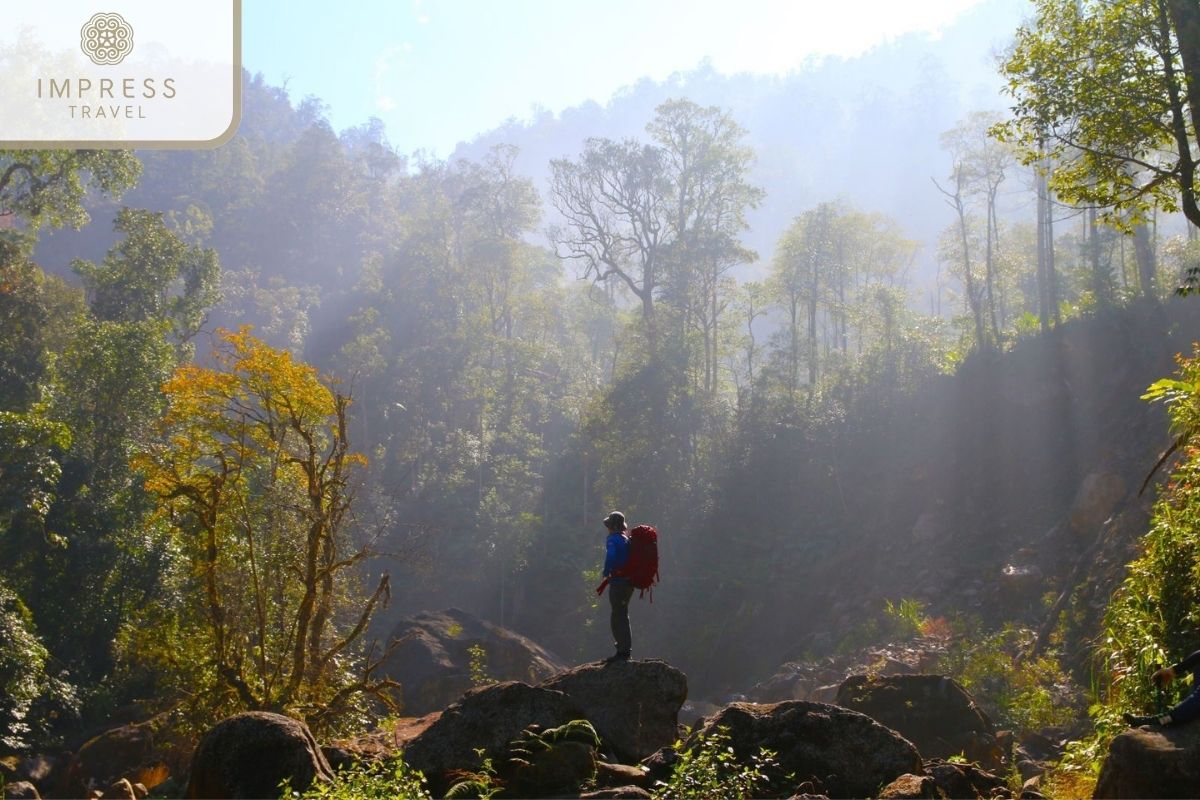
{"x":1043,"y":281}
{"x":973,"y":304}
{"x":1051,"y":274}
{"x":1183,"y":18}
{"x":989,"y":266}
{"x":1099,"y":283}
{"x":812,"y":335}
{"x":1143,"y":250}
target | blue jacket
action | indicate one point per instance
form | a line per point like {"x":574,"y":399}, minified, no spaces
{"x":616,"y":553}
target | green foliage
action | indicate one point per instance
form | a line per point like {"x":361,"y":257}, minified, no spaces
{"x":36,"y":312}
{"x":1100,"y":101}
{"x":908,"y":615}
{"x":253,"y":474}
{"x":1152,"y":617}
{"x":47,"y":188}
{"x":152,"y":274}
{"x":31,"y":452}
{"x":386,"y":779}
{"x":708,"y":769}
{"x":481,"y":783}
{"x":903,"y":619}
{"x":1180,"y":268}
{"x":22,"y":661}
{"x":577,"y":730}
{"x":1017,"y":691}
{"x":30,"y":697}
{"x":478,"y":665}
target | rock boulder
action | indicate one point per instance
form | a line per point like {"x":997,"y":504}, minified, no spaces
{"x":133,"y":752}
{"x":846,"y":753}
{"x":433,"y":659}
{"x":965,"y":780}
{"x":489,"y":718}
{"x":1097,"y":498}
{"x":21,"y":790}
{"x":250,"y":754}
{"x":633,"y":704}
{"x":1152,"y":762}
{"x":910,"y":787}
{"x":550,"y":763}
{"x":933,"y":712}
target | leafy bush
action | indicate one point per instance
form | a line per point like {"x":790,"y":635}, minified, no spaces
{"x":482,"y":784}
{"x":1153,"y":618}
{"x":709,"y":770}
{"x":907,"y":616}
{"x":1018,"y":692}
{"x":478,"y":665}
{"x":30,"y":699}
{"x":390,"y":779}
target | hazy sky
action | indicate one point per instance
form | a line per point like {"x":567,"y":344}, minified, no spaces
{"x":440,"y":71}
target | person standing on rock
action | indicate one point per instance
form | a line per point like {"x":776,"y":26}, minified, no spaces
{"x":1188,"y":708}
{"x":620,"y":589}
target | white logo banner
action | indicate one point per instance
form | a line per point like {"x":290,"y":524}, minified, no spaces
{"x":116,"y":74}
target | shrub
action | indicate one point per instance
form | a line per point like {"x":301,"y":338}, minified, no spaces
{"x":390,"y":779}
{"x":30,"y":698}
{"x":709,"y":770}
{"x":1018,"y":692}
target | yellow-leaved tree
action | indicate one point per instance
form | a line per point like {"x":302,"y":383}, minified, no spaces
{"x":253,"y":473}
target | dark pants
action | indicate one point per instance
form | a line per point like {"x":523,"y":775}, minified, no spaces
{"x":619,"y":593}
{"x":1189,"y":707}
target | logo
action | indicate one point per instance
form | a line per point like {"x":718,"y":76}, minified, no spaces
{"x":160,"y":73}
{"x":106,"y":39}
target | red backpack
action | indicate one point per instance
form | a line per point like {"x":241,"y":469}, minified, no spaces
{"x":642,"y":566}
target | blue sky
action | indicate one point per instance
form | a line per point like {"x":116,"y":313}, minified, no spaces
{"x":441,"y":71}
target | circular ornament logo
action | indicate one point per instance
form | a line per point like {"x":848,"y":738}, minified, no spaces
{"x":106,"y":39}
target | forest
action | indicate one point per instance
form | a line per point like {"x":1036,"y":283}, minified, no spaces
{"x":262,"y":407}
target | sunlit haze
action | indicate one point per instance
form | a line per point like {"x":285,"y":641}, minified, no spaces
{"x":403,"y":61}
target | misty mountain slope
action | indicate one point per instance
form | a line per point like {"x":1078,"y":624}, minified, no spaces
{"x":865,"y":129}
{"x":287,"y":203}
{"x":1016,"y":461}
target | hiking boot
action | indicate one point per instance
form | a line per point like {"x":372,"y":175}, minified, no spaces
{"x":1134,"y":721}
{"x":615,"y":657}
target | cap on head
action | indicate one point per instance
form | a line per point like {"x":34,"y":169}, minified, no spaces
{"x":615,"y":520}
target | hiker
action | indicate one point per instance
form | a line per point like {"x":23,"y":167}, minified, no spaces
{"x":1188,"y":708}
{"x":620,"y":589}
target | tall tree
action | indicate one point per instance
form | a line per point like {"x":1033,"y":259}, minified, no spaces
{"x":1110,"y":87}
{"x":47,"y":188}
{"x":152,"y":274}
{"x":254,"y":476}
{"x":613,"y":206}
{"x":803,"y":264}
{"x":706,"y":168}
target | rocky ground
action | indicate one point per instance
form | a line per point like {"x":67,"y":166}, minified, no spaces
{"x":837,"y":730}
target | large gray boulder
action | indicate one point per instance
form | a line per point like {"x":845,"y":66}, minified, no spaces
{"x":1152,"y":762}
{"x":842,"y":752}
{"x":634,"y":705}
{"x":433,"y":659}
{"x":145,"y":752}
{"x":1098,"y":496}
{"x":248,"y":755}
{"x":932,"y":711}
{"x":489,"y":718}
